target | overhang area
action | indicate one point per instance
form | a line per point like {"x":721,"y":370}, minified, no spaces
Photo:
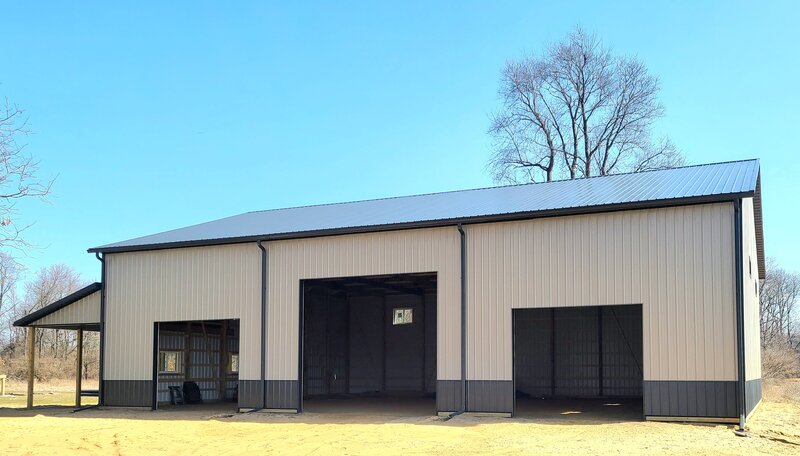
{"x":79,"y":311}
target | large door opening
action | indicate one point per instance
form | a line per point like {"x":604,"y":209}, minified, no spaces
{"x":580,"y":362}
{"x":205,"y":353}
{"x":369,"y":343}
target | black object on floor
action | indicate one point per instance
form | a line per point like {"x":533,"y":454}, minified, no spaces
{"x":191,"y":393}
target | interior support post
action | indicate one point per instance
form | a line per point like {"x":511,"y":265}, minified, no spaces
{"x":386,"y":317}
{"x":424,"y":341}
{"x":552,"y":352}
{"x":78,"y":367}
{"x":187,"y":353}
{"x":31,"y":349}
{"x":600,"y":349}
{"x":223,"y":358}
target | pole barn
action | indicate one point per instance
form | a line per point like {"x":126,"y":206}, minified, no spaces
{"x":641,"y":288}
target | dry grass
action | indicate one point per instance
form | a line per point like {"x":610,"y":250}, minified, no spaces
{"x":775,"y":429}
{"x":54,"y":392}
{"x":782,"y":390}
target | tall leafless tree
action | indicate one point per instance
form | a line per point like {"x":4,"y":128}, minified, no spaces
{"x":577,"y":111}
{"x":18,"y":174}
{"x":10,"y":273}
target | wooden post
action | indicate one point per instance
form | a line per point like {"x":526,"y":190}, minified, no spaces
{"x":209,"y":362}
{"x":187,"y":353}
{"x":78,"y":367}
{"x":223,"y":359}
{"x":31,"y":349}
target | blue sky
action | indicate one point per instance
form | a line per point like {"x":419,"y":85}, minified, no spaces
{"x":158,"y":115}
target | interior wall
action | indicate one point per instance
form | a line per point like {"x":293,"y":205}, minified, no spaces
{"x":203,"y":366}
{"x":352,"y":347}
{"x":567,"y":342}
{"x":366,"y":343}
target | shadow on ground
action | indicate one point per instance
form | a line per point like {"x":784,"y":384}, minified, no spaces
{"x":365,"y":411}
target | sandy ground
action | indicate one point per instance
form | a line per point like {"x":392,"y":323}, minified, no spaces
{"x":774,"y":429}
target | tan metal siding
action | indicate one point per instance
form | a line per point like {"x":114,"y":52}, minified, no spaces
{"x":423,"y":250}
{"x":752,"y":324}
{"x":677,"y":262}
{"x":202,"y":283}
{"x":84,"y":310}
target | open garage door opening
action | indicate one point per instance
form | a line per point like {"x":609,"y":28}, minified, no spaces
{"x":196,"y":364}
{"x":369,"y":344}
{"x":579,"y":363}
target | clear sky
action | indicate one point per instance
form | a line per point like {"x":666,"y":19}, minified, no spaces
{"x":158,"y":115}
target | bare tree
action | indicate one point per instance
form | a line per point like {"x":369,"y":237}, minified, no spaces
{"x":51,"y":284}
{"x":18,"y":174}
{"x":577,"y":111}
{"x":780,"y":325}
{"x":10,"y":271}
{"x":779,"y":307}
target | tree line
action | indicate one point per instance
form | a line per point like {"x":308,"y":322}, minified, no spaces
{"x":780,"y":322}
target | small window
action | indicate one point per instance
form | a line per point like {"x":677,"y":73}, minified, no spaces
{"x":233,"y":363}
{"x":756,"y":287}
{"x":170,"y":362}
{"x":750,"y":265}
{"x":403,"y":316}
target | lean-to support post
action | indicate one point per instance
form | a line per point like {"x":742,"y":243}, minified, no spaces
{"x":78,"y":367}
{"x":31,"y":349}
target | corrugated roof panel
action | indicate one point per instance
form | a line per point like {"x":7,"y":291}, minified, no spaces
{"x":709,"y":180}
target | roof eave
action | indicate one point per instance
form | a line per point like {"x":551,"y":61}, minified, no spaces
{"x":684,"y":201}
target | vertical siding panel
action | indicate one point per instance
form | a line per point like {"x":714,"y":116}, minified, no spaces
{"x":85,"y":310}
{"x":727,"y":286}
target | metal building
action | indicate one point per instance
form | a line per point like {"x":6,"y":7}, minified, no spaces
{"x":637,"y":285}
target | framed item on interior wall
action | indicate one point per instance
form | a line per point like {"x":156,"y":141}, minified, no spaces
{"x":402,"y":316}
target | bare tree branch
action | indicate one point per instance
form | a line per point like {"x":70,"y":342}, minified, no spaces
{"x":577,"y":111}
{"x":18,"y":174}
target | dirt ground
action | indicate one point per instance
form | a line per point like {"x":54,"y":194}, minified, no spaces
{"x":774,"y":429}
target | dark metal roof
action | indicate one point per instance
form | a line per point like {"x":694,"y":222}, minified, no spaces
{"x":685,"y":185}
{"x":58,"y":305}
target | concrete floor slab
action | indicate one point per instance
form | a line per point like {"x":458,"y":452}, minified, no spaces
{"x":372,"y":406}
{"x":611,"y":410}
